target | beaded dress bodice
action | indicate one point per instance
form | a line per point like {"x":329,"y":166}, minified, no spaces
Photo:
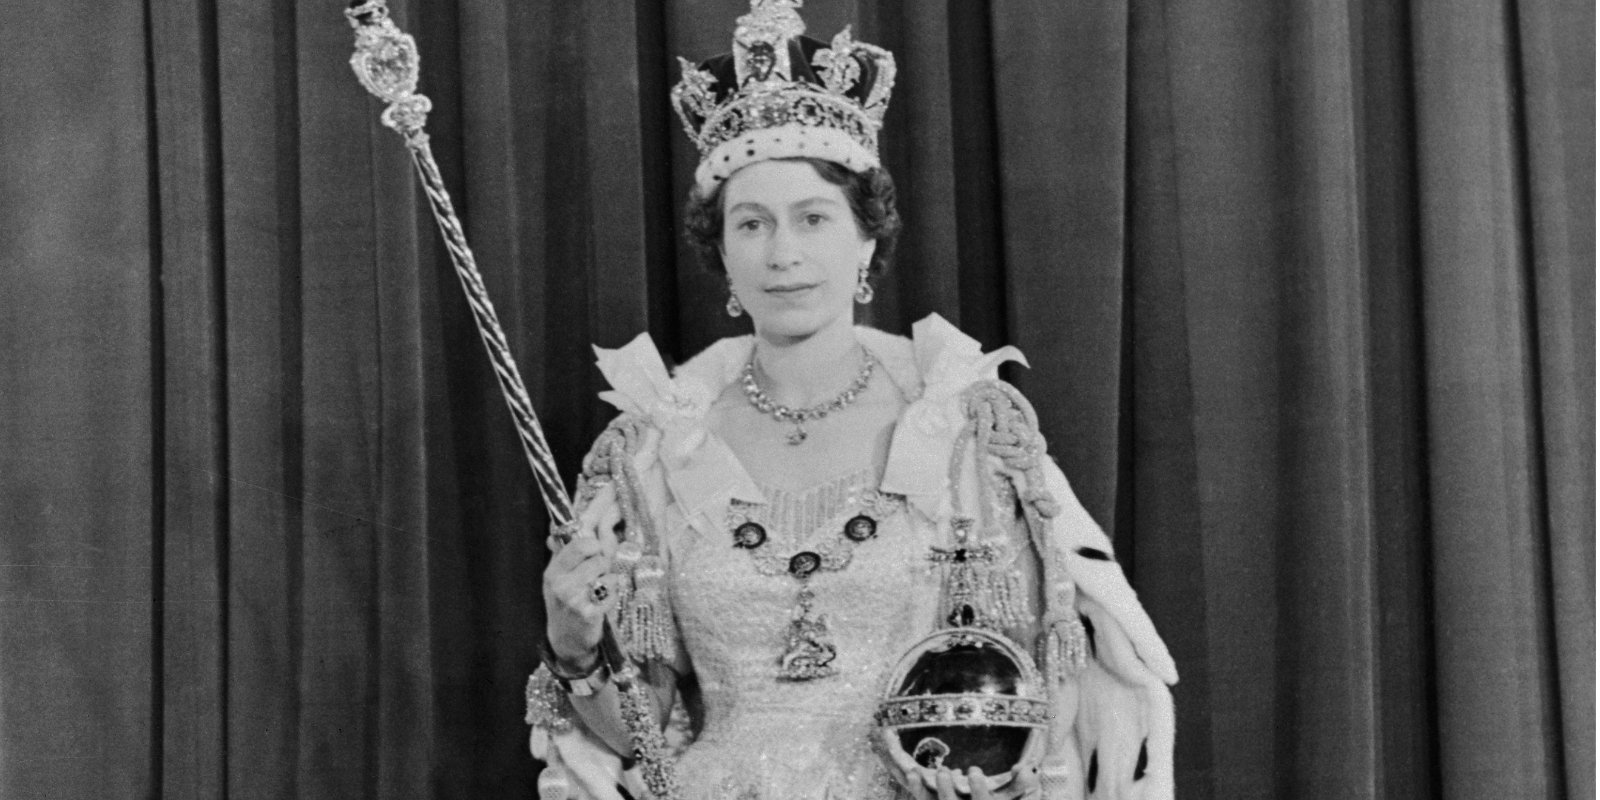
{"x":773,"y":739}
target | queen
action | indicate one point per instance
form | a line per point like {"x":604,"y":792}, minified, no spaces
{"x":769,"y":528}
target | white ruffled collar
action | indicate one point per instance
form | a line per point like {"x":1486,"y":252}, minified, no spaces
{"x":931,"y":369}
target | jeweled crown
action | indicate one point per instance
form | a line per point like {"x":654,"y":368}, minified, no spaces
{"x":780,"y":94}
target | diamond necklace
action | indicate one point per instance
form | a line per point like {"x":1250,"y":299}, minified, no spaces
{"x":800,"y":416}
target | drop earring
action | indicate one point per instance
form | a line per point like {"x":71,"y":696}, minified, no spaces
{"x":734,"y":307}
{"x":863,"y":288}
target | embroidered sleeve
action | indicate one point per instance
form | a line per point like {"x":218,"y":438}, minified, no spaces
{"x":1108,"y":670}
{"x":622,"y":469}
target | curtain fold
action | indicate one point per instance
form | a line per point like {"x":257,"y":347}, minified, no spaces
{"x":1307,"y":290}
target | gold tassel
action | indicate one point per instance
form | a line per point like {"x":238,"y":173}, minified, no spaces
{"x":1066,"y":648}
{"x":642,"y":618}
{"x":1000,"y":596}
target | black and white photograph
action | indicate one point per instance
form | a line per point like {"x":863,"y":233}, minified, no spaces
{"x":797,"y":400}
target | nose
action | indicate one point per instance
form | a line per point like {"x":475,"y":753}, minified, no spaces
{"x":784,"y":249}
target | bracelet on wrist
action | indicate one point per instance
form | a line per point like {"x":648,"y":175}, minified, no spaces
{"x":609,"y":660}
{"x":559,"y":667}
{"x":580,"y":684}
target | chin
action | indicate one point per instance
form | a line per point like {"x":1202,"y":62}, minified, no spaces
{"x":799,"y":323}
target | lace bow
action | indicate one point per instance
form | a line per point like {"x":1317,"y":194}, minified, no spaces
{"x":701,"y":471}
{"x":641,"y":385}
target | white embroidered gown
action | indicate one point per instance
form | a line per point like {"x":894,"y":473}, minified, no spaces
{"x":762,"y":738}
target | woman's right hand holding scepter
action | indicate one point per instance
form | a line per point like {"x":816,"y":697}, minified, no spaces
{"x":578,"y":590}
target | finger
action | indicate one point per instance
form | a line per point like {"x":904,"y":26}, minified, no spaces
{"x":912,"y":781}
{"x":946,"y":781}
{"x":582,"y":547}
{"x":891,"y":745}
{"x":978,"y":784}
{"x":603,"y":593}
{"x":574,"y":553}
{"x":575,"y":587}
{"x":559,"y":536}
{"x":571,"y":592}
{"x":910,"y":772}
{"x":608,"y":530}
{"x":1027,"y":783}
{"x":605,"y":500}
{"x":571,"y":589}
{"x":581,"y":599}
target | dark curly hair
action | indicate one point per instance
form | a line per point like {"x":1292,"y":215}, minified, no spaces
{"x":871,"y":196}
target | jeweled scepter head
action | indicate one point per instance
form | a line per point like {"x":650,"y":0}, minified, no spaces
{"x":387,"y":64}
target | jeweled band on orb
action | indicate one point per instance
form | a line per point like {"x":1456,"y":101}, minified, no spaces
{"x":962,"y":709}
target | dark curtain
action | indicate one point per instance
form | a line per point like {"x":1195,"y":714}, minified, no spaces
{"x":1308,"y":289}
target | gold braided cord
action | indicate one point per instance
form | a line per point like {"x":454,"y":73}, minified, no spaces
{"x":1007,"y":428}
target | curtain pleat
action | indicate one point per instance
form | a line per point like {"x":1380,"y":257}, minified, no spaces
{"x":1556,"y":106}
{"x":80,"y":426}
{"x":193,"y":669}
{"x":1307,"y":290}
{"x":1497,"y":707}
{"x":1159,"y":491}
{"x":1060,"y":116}
{"x":260,"y":118}
{"x":1328,"y":742}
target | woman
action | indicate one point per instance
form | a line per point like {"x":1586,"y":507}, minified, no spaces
{"x":773,"y":526}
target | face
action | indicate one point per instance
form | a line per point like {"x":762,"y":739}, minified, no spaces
{"x":792,"y":248}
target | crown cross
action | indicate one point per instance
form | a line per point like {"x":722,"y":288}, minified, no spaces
{"x":761,"y":41}
{"x":837,"y":65}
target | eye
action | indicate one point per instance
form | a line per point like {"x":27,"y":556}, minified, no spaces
{"x":814,"y":219}
{"x":748,"y":225}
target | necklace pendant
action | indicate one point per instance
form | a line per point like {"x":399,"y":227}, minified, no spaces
{"x":809,"y":650}
{"x":797,"y":435}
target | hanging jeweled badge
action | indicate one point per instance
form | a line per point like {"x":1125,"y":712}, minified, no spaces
{"x":809,"y":650}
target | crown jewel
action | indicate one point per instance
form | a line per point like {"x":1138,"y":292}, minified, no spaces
{"x":780,"y":94}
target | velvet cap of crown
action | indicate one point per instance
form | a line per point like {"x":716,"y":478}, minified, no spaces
{"x":780,"y":94}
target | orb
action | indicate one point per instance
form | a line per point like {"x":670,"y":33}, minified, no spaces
{"x":966,"y":697}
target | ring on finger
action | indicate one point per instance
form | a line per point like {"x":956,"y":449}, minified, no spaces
{"x":598,"y":591}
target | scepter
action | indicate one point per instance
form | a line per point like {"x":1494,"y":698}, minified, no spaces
{"x":387,"y":64}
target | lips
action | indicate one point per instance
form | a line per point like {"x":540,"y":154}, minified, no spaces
{"x":791,"y":289}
